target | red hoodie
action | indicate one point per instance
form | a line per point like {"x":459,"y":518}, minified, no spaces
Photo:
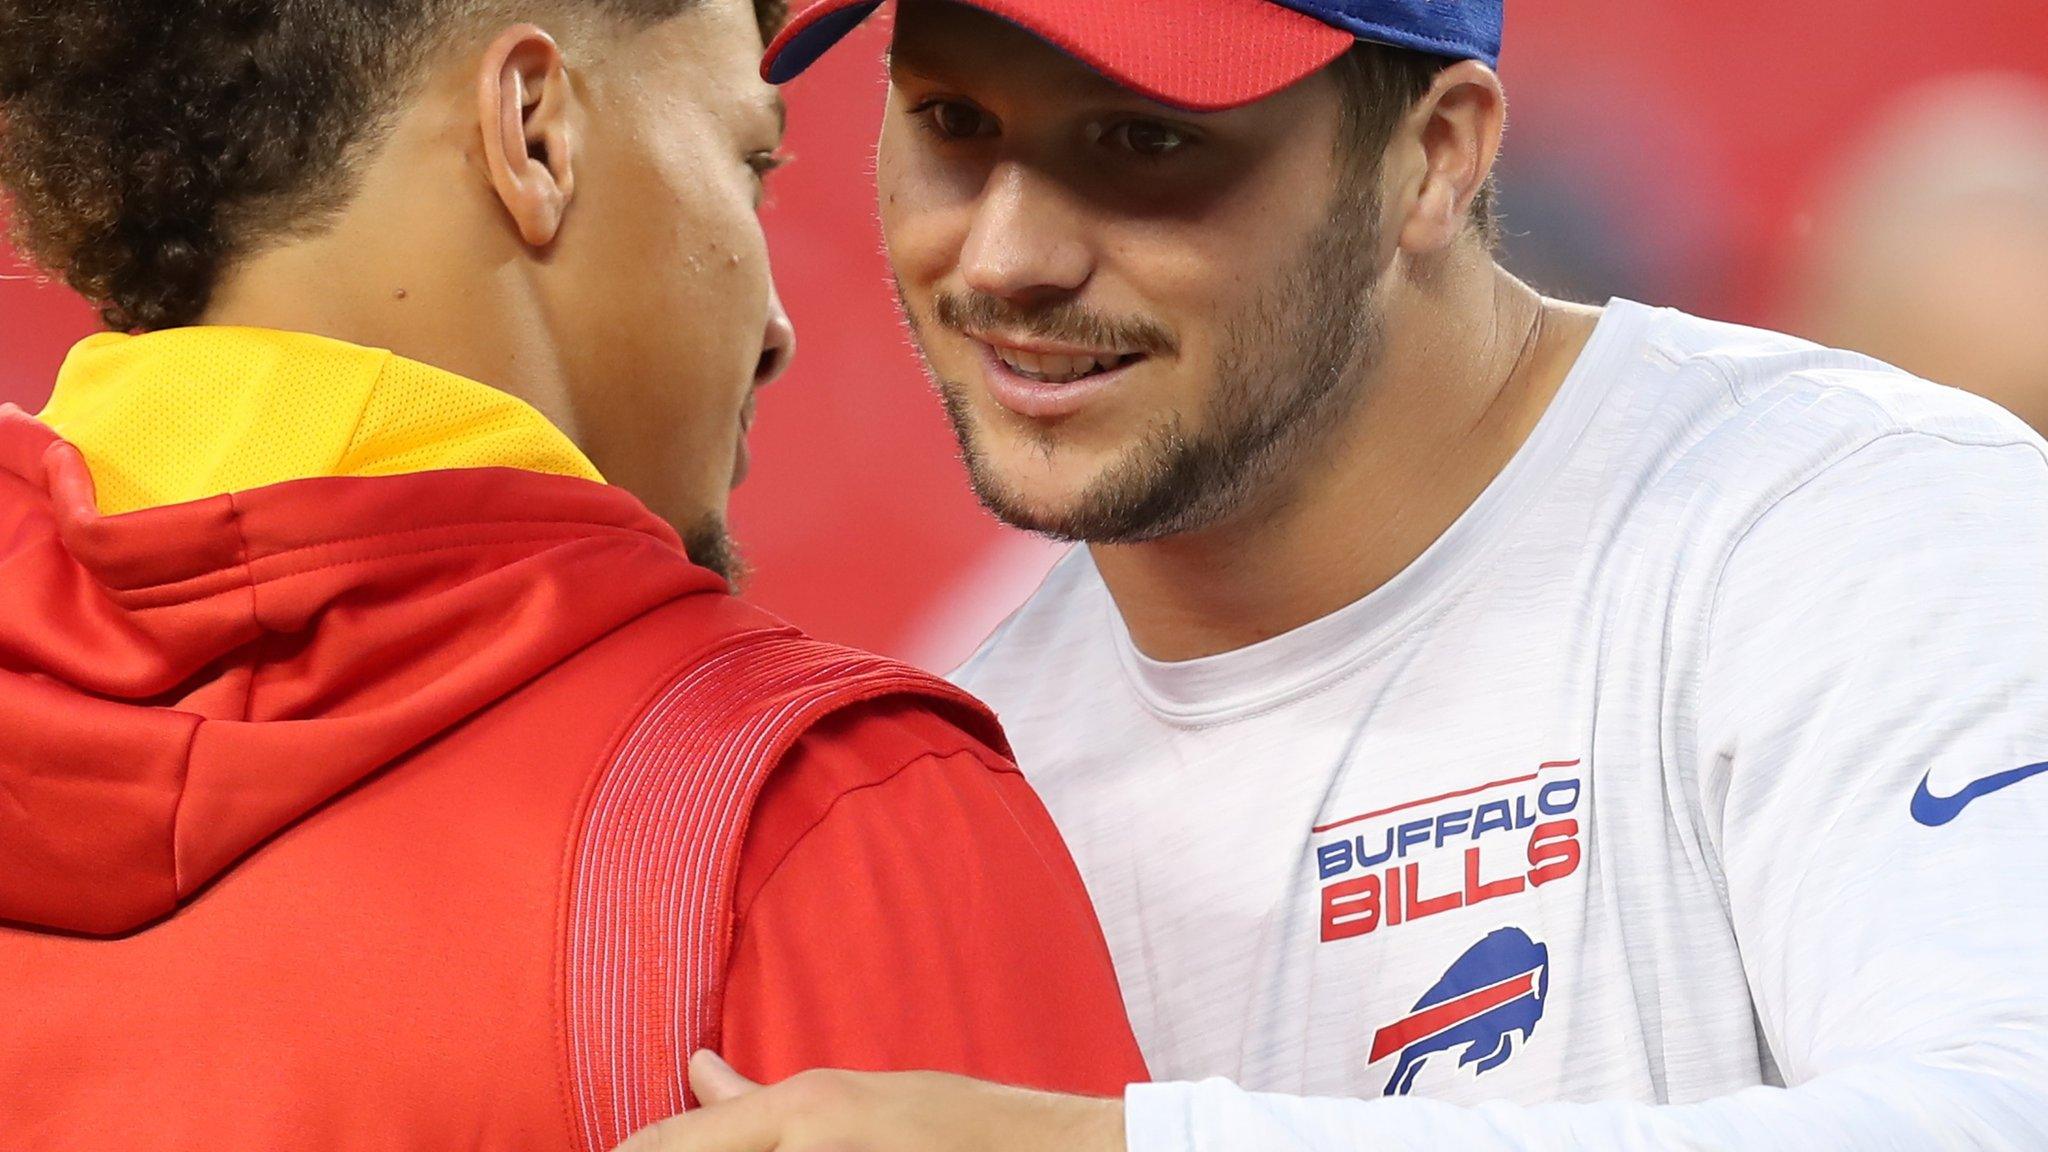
{"x":456,"y":808}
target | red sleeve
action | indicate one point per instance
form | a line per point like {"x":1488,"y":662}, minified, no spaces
{"x":905,"y":903}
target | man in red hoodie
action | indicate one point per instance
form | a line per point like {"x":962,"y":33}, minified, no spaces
{"x":372,"y":774}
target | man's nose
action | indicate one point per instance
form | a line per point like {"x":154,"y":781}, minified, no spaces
{"x":778,"y":344}
{"x":1025,"y":242}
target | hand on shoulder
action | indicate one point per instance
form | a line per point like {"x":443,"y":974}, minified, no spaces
{"x":833,"y":1111}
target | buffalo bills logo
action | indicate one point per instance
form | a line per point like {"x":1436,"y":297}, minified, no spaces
{"x":1492,"y":994}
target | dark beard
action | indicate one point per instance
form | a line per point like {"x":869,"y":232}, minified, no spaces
{"x":711,"y":546}
{"x":1289,"y":371}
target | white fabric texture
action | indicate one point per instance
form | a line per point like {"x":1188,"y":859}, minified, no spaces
{"x":1676,"y":797}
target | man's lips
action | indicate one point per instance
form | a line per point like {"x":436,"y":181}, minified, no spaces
{"x":1047,"y":381}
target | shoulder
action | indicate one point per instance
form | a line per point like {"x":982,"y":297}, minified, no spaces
{"x":1732,"y":424}
{"x":1909,"y":528}
{"x":1770,"y":399}
{"x":868,"y":741}
{"x":715,"y":657}
{"x":1820,"y":492}
{"x":898,"y":752}
{"x":723,"y":697}
{"x":745,"y":710}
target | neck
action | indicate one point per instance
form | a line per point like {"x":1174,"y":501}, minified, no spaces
{"x":418,"y":263}
{"x":1472,"y":360}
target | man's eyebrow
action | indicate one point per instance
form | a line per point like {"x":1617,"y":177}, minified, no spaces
{"x":780,"y":107}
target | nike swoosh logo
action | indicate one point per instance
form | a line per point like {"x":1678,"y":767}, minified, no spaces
{"x":1934,"y":811}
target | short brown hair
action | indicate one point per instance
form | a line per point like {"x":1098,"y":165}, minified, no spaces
{"x":144,"y":143}
{"x":1378,"y":85}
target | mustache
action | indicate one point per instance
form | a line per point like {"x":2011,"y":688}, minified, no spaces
{"x":1064,"y":322}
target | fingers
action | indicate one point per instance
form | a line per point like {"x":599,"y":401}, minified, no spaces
{"x":734,"y":1127}
{"x":724,"y":1121}
{"x":714,"y":1081}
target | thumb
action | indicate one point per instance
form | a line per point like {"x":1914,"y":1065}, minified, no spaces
{"x":714,"y":1081}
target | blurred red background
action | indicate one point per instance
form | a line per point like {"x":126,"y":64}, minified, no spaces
{"x":1673,"y":151}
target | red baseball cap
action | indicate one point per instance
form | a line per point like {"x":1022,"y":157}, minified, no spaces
{"x":1247,"y":50}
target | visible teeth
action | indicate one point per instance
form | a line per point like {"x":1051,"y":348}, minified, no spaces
{"x":1055,"y":369}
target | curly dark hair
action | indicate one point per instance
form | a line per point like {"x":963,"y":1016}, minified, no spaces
{"x":145,"y":142}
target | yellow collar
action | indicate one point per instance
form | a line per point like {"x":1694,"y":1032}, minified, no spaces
{"x":188,"y":413}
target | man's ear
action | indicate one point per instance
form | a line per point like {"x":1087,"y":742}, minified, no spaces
{"x":525,"y":108}
{"x":1451,"y":138}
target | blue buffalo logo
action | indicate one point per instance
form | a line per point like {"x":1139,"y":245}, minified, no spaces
{"x":1493,"y":994}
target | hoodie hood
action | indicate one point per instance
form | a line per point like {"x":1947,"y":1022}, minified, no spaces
{"x":187,"y":413}
{"x":180,"y":683}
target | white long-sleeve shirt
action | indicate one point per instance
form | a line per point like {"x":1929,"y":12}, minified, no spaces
{"x":1691,"y":791}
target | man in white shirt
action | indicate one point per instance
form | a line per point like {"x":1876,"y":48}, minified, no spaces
{"x":1482,"y":722}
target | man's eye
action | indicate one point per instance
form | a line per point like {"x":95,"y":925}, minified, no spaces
{"x":1147,"y":138}
{"x":765,"y":162}
{"x":953,"y":120}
